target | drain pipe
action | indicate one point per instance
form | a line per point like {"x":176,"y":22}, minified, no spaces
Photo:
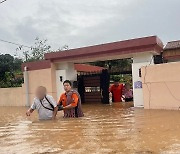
{"x":26,"y":81}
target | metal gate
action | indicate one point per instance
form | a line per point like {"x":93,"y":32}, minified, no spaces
{"x":94,"y":87}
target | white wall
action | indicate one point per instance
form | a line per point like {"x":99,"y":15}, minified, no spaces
{"x":67,"y":71}
{"x":59,"y":83}
{"x":139,"y":61}
{"x":71,"y":73}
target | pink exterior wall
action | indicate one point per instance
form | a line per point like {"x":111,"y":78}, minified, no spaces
{"x":17,"y":96}
{"x":43,"y":77}
{"x":12,"y":96}
{"x":161,"y":86}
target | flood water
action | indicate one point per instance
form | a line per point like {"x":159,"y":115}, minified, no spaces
{"x":104,"y":129}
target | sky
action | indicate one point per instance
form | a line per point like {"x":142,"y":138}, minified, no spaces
{"x":79,"y":23}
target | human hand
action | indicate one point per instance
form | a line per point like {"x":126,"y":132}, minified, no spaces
{"x":28,"y":113}
{"x":60,"y":107}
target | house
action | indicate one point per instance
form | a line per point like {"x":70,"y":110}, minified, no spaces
{"x":159,"y":83}
{"x":62,"y":65}
{"x":171,"y":51}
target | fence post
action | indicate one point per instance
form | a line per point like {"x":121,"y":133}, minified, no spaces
{"x":105,"y":78}
{"x":26,"y":81}
{"x":81,"y":88}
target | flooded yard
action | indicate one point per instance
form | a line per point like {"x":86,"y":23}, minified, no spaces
{"x":104,"y":129}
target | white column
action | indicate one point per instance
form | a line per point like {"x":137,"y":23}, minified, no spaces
{"x":60,"y":78}
{"x":71,"y":73}
{"x":139,"y":60}
{"x":26,"y":81}
{"x":65,"y":71}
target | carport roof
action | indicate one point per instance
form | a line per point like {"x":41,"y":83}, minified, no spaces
{"x":127,"y":47}
{"x":87,"y":68}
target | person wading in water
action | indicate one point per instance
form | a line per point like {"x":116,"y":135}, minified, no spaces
{"x":45,"y":104}
{"x":116,"y":90}
{"x":71,"y":101}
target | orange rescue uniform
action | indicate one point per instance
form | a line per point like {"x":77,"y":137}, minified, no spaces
{"x":63,"y":99}
{"x":116,"y":92}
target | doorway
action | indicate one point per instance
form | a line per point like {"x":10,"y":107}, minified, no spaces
{"x":94,"y":87}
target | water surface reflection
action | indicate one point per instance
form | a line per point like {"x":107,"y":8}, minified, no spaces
{"x":104,"y":129}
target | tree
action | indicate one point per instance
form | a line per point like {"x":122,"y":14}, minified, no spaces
{"x":6,"y":64}
{"x":39,"y":49}
{"x":115,"y":65}
{"x":10,"y":67}
{"x":17,"y":64}
{"x":10,"y":71}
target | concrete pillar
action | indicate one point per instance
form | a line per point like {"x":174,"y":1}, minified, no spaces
{"x":53,"y":79}
{"x":139,"y":61}
{"x":26,"y":81}
{"x":65,"y":71}
{"x":71,"y":73}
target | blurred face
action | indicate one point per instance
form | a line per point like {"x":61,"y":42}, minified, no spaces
{"x":128,"y":87}
{"x":116,"y":83}
{"x":67,"y":87}
{"x":41,"y":92}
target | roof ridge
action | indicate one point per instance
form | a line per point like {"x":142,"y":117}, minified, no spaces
{"x":172,"y":45}
{"x":173,"y":41}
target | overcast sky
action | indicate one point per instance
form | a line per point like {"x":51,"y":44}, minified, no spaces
{"x":79,"y":23}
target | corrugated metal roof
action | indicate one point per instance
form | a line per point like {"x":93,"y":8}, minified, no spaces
{"x":172,"y":45}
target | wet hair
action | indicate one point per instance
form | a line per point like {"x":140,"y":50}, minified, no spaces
{"x":67,"y":81}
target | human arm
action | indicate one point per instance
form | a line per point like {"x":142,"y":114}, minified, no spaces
{"x":124,"y":91}
{"x":68,"y":107}
{"x":60,"y":103}
{"x":29,"y":111}
{"x":74,"y":102}
{"x":55,"y":113}
{"x":53,"y":102}
{"x":60,"y":100}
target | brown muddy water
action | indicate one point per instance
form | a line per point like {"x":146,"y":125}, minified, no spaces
{"x":104,"y":129}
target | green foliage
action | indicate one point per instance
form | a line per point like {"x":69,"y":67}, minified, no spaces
{"x":6,"y":64}
{"x":39,"y":49}
{"x":10,"y":67}
{"x":10,"y":71}
{"x":17,"y":64}
{"x":127,"y":78}
{"x":118,"y":65}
